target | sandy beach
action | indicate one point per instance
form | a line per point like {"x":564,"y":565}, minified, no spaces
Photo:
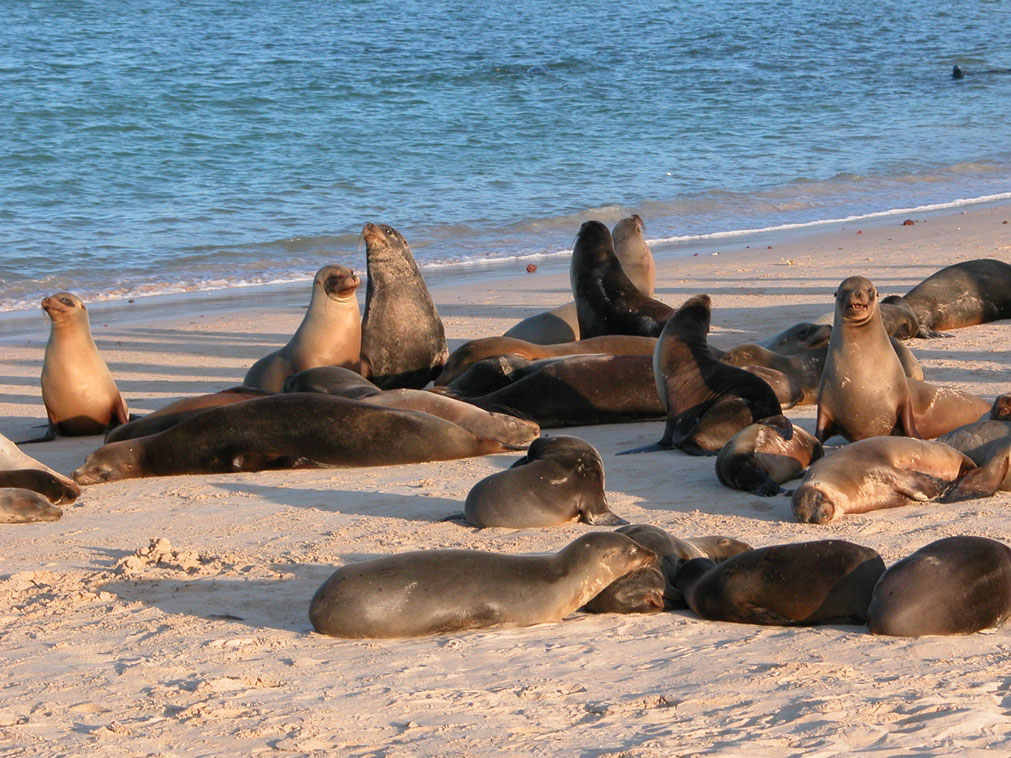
{"x":168,"y":616}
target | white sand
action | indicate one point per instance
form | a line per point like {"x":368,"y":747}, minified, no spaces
{"x":203,"y":647}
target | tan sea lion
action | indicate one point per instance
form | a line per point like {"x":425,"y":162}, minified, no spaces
{"x":558,"y":325}
{"x":820,"y":582}
{"x":956,"y":585}
{"x":297,"y":430}
{"x":436,"y":591}
{"x":634,"y":254}
{"x":864,"y":391}
{"x":180,"y":410}
{"x":938,"y":410}
{"x":760,"y":458}
{"x":78,"y":391}
{"x":330,"y":333}
{"x":21,"y":506}
{"x":888,"y":472}
{"x":403,"y":340}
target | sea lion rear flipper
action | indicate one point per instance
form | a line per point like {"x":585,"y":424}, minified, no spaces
{"x":927,"y":333}
{"x":51,"y":434}
{"x":982,"y":481}
{"x":756,"y":614}
{"x":647,"y":449}
{"x":455,"y":517}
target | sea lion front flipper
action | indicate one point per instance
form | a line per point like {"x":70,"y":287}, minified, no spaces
{"x":824,"y":427}
{"x":120,"y":414}
{"x":601,"y":516}
{"x":983,"y":481}
{"x":918,"y":486}
{"x":929,"y":334}
{"x":907,"y":421}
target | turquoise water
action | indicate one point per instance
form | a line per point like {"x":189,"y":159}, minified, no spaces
{"x":164,"y":147}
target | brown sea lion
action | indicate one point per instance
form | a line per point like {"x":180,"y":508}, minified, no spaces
{"x":938,"y":410}
{"x":558,"y":325}
{"x":56,"y":489}
{"x":798,"y":337}
{"x":21,"y":506}
{"x":788,"y":390}
{"x":960,"y":295}
{"x":864,"y":391}
{"x":180,"y":410}
{"x":473,"y":351}
{"x":435,"y":591}
{"x":558,"y":481}
{"x":956,"y":585}
{"x":607,"y":302}
{"x":77,"y":389}
{"x":11,"y":458}
{"x":820,"y":582}
{"x":899,"y":319}
{"x":330,"y":333}
{"x":985,"y":437}
{"x":403,"y":340}
{"x":760,"y":458}
{"x":298,"y":430}
{"x":888,"y":472}
{"x":707,"y":402}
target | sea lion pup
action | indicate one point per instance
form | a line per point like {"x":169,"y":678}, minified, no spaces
{"x":864,"y":391}
{"x":956,"y":585}
{"x":180,"y":410}
{"x":403,"y":340}
{"x":22,"y":506}
{"x":435,"y":591}
{"x":820,"y":582}
{"x":330,"y":333}
{"x":580,"y":390}
{"x":760,"y":458}
{"x":899,"y":319}
{"x":56,"y":489}
{"x":799,"y":337}
{"x":514,"y":433}
{"x":634,"y":254}
{"x":77,"y":389}
{"x":888,"y":472}
{"x":473,"y":351}
{"x":11,"y":458}
{"x":606,"y":300}
{"x":644,"y":590}
{"x":707,"y":402}
{"x":298,"y":430}
{"x":960,"y":295}
{"x":558,"y":481}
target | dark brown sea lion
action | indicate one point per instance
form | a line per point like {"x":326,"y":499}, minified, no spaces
{"x":11,"y":458}
{"x":403,"y":340}
{"x":899,"y":320}
{"x":887,"y":472}
{"x":760,"y":457}
{"x":798,"y":337}
{"x":960,"y":295}
{"x":21,"y":506}
{"x":77,"y":389}
{"x":864,"y":391}
{"x":956,"y":585}
{"x":180,"y":410}
{"x":471,"y":352}
{"x":558,"y":481}
{"x":298,"y":430}
{"x":820,"y":582}
{"x":330,"y":333}
{"x":788,"y":390}
{"x":55,"y":489}
{"x":607,"y":302}
{"x":707,"y":402}
{"x":436,"y":591}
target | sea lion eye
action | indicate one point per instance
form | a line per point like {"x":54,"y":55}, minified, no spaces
{"x":66,"y":301}
{"x":388,"y":230}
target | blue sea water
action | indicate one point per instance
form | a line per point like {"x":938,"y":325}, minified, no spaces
{"x":154,"y":147}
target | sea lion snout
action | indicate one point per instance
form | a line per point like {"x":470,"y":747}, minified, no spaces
{"x":340,"y":283}
{"x":1001,"y":410}
{"x":812,"y":506}
{"x":855,"y":298}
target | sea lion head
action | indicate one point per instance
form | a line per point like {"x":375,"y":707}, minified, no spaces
{"x":63,"y":307}
{"x":111,"y":462}
{"x":691,"y":320}
{"x":615,"y":553}
{"x":744,"y":355}
{"x":856,"y":300}
{"x":384,"y":242}
{"x":594,"y":244}
{"x":629,"y":226}
{"x":1001,"y":410}
{"x":22,"y":506}
{"x":812,"y":504}
{"x":337,"y":282}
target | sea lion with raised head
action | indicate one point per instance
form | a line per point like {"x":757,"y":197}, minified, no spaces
{"x":820,"y":582}
{"x":558,"y":481}
{"x":436,"y":591}
{"x":956,"y":585}
{"x":760,"y":457}
{"x":888,"y":472}
{"x":330,"y":333}
{"x":864,"y":391}
{"x":607,"y":302}
{"x":403,"y":340}
{"x":707,"y":401}
{"x":24,"y":506}
{"x":298,"y":430}
{"x":78,"y":391}
{"x":634,"y":254}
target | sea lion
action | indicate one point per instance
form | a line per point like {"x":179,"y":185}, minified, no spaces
{"x":938,"y":410}
{"x":180,"y":410}
{"x":888,"y":472}
{"x":760,"y":458}
{"x":403,"y":340}
{"x":983,"y":438}
{"x":330,"y":333}
{"x":491,"y":374}
{"x":899,"y":319}
{"x":634,"y":254}
{"x":956,"y":585}
{"x":957,"y":72}
{"x":864,"y":391}
{"x":11,"y":458}
{"x":798,"y":337}
{"x":960,"y":295}
{"x":473,"y":351}
{"x":77,"y":389}
{"x":606,"y":300}
{"x":1001,"y":410}
{"x":580,"y":390}
{"x":787,"y":389}
{"x":558,"y":325}
{"x":512,"y":432}
{"x":298,"y":430}
{"x":435,"y":591}
{"x":559,"y":480}
{"x":820,"y":582}
{"x":707,"y":402}
{"x":56,"y":489}
{"x":644,"y":590}
{"x":21,"y":506}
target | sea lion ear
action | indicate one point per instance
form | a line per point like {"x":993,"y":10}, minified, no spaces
{"x":780,"y":423}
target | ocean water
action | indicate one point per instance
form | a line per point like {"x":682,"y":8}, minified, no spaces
{"x":162,"y":147}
